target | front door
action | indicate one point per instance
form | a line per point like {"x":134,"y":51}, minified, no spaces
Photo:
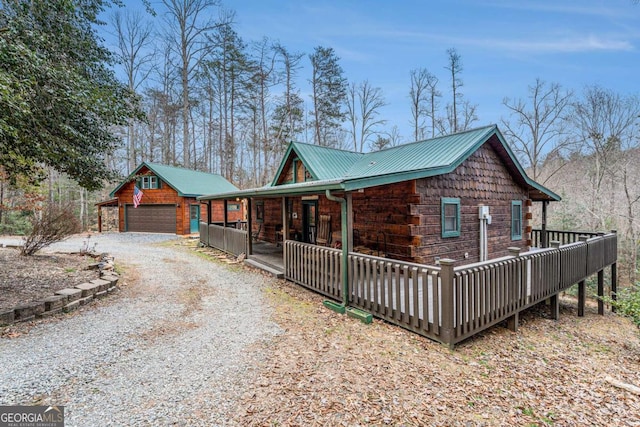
{"x":194,"y":215}
{"x":309,"y":220}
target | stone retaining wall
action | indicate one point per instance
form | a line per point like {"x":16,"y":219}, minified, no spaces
{"x":67,"y":299}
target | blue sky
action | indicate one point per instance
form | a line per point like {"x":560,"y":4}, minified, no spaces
{"x":505,"y":44}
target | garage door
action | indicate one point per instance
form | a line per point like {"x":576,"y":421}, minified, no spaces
{"x":152,"y":218}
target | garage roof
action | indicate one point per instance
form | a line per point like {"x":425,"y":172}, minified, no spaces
{"x":187,"y":182}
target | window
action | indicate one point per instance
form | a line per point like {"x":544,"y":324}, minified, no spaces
{"x":450,"y":209}
{"x":233,"y":207}
{"x":149,"y":182}
{"x":516,"y":220}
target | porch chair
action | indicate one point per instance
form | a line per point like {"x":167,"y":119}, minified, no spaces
{"x":324,"y":231}
{"x":256,"y":234}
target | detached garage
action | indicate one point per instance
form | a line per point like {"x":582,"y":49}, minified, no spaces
{"x":158,"y":198}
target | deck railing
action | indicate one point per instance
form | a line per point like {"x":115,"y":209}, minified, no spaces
{"x":315,"y":267}
{"x":564,"y":237}
{"x":399,"y":292}
{"x":226,"y":239}
{"x":448,"y":303}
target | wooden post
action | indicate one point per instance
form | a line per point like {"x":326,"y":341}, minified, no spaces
{"x":600,"y":292}
{"x":543,"y":232}
{"x":447,"y":309}
{"x":99,"y":219}
{"x":512,"y":321}
{"x":555,"y":306}
{"x":225,"y":217}
{"x":349,"y":241}
{"x":209,"y":220}
{"x":581,"y":298}
{"x":614,"y":285}
{"x":249,"y":228}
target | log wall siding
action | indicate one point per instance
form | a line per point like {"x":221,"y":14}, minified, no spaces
{"x":381,"y":213}
{"x":217,"y":212}
{"x":481,"y":180}
{"x":164,"y":196}
{"x":272,"y":218}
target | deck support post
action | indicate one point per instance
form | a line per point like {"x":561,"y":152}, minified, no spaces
{"x":581,"y":298}
{"x":600,"y":292}
{"x":555,"y":306}
{"x":512,"y":322}
{"x":447,"y":309}
{"x":614,"y":285}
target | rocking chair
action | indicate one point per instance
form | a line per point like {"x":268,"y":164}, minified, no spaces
{"x":324,"y":231}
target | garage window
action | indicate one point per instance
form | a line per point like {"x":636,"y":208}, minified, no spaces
{"x":149,"y":182}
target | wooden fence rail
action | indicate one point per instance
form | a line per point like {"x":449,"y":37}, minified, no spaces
{"x":226,"y":239}
{"x":447,"y":303}
{"x":403,"y":293}
{"x":315,"y":267}
{"x":564,"y":237}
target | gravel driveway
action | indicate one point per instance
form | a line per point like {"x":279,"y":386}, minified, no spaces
{"x":175,"y":347}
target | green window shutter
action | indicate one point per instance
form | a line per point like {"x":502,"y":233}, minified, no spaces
{"x":450,"y":213}
{"x":516,"y":220}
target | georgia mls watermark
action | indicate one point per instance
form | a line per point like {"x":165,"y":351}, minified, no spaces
{"x":31,"y":416}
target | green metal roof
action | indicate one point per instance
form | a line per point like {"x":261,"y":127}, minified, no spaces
{"x":187,"y":182}
{"x":322,"y":162}
{"x":350,"y":171}
{"x":431,"y":154}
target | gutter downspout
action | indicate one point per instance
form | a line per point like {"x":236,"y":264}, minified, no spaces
{"x":345,"y":249}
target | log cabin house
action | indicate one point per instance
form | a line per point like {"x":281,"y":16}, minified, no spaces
{"x":169,"y":200}
{"x":434,"y":235}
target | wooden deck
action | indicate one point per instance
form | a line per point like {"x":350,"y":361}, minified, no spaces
{"x":446,"y":303}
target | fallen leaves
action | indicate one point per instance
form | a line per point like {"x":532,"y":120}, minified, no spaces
{"x":327,"y":369}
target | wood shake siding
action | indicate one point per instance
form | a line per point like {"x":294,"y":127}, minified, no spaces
{"x":481,"y":180}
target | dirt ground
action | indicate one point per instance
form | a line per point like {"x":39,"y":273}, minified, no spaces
{"x":327,"y":369}
{"x":25,"y":279}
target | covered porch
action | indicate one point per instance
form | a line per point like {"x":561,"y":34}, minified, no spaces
{"x":446,"y":301}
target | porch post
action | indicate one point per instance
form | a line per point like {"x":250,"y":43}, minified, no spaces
{"x":208,"y":213}
{"x":225,"y":217}
{"x":285,"y":233}
{"x":344,"y":265}
{"x":99,"y":219}
{"x":543,"y":232}
{"x":249,"y":228}
{"x":285,"y":221}
{"x":349,"y":241}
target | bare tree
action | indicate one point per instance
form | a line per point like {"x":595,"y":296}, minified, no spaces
{"x":605,"y":123}
{"x":538,"y":126}
{"x":363,"y":108}
{"x":188,"y":22}
{"x":287,"y":120}
{"x":135,"y":53}
{"x":454,"y":66}
{"x":418,"y":96}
